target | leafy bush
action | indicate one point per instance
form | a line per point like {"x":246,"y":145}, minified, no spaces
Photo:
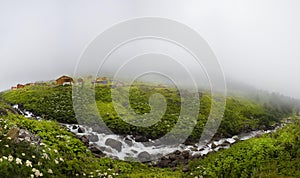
{"x":269,"y":156}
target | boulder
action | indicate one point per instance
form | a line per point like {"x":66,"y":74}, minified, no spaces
{"x":74,"y":127}
{"x":81,"y":130}
{"x":177,"y":152}
{"x":185,"y":169}
{"x":185,"y":154}
{"x":23,"y":133}
{"x":172,"y":156}
{"x":128,"y":142}
{"x":84,"y":139}
{"x":115,"y":144}
{"x":144,"y":156}
{"x":236,"y":138}
{"x":140,"y":138}
{"x":93,"y":138}
{"x":163,"y":163}
{"x":96,"y":150}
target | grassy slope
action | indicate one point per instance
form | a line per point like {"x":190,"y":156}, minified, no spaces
{"x":56,"y":104}
{"x":273,"y":155}
{"x":60,"y":145}
{"x":268,"y":156}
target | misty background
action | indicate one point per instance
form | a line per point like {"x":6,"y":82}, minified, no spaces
{"x":256,"y":42}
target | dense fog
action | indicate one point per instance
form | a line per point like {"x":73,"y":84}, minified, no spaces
{"x":256,"y":42}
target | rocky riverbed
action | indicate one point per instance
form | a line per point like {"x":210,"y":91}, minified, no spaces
{"x":128,"y":148}
{"x":138,"y":148}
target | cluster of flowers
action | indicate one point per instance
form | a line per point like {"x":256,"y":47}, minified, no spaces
{"x":47,"y":153}
{"x":97,"y":172}
{"x":27,"y":163}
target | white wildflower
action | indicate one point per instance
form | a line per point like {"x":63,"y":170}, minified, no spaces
{"x":28,"y":163}
{"x":10,"y":158}
{"x":50,"y":171}
{"x":18,"y":161}
{"x":23,"y":154}
{"x":38,"y":174}
{"x":45,"y":156}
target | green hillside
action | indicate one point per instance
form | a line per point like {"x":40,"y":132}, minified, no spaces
{"x":63,"y":155}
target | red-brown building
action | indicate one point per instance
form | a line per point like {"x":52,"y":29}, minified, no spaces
{"x":20,"y":86}
{"x":13,"y":88}
{"x":29,"y":84}
{"x":64,"y":80}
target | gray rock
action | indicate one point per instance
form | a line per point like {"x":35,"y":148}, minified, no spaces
{"x":81,"y":130}
{"x":93,"y":138}
{"x":128,"y":142}
{"x":115,"y":144}
{"x":163,"y":163}
{"x":84,"y":139}
{"x":172,"y":156}
{"x":213,"y":145}
{"x":185,"y":169}
{"x":236,"y":138}
{"x":144,"y":156}
{"x":96,"y":150}
{"x":177,"y":152}
{"x":185,"y":154}
{"x":140,"y":138}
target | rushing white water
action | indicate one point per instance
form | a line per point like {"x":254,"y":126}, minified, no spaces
{"x":132,"y":149}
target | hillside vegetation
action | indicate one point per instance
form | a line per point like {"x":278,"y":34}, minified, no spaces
{"x":55,"y":103}
{"x":63,"y":155}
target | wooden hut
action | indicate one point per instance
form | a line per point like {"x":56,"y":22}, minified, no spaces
{"x":20,"y":86}
{"x":64,"y":80}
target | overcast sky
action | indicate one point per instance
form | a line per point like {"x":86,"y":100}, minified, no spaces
{"x":257,"y":41}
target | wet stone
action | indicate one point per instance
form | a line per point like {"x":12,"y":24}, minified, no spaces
{"x":185,"y":154}
{"x":144,"y":156}
{"x":93,"y":138}
{"x":115,"y":144}
{"x":81,"y":130}
{"x":128,"y":142}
